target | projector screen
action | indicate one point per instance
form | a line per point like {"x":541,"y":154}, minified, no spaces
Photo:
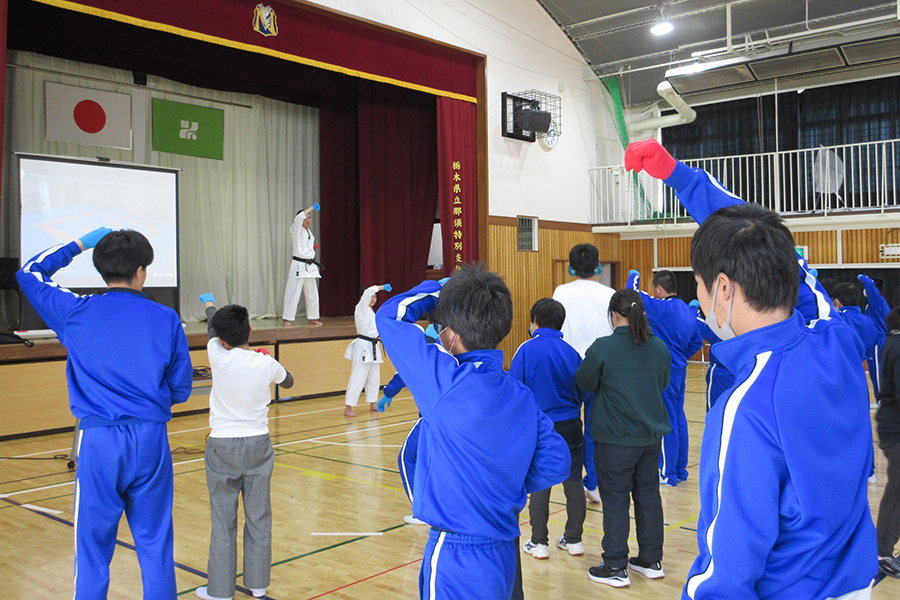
{"x":61,"y":199}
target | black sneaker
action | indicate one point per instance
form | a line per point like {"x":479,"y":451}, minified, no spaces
{"x":614,"y":577}
{"x":890,"y":566}
{"x":648,"y":570}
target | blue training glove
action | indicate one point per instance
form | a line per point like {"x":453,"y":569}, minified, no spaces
{"x":384,"y":403}
{"x":387,"y":287}
{"x":316,"y":206}
{"x":863,"y":278}
{"x":694,"y":304}
{"x":443,"y":281}
{"x":207,"y":297}
{"x":634,"y":272}
{"x":89,"y":240}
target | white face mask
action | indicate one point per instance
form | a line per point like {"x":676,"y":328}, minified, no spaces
{"x":725,"y":332}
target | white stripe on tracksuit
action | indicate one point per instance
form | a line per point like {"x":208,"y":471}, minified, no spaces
{"x":732,"y":404}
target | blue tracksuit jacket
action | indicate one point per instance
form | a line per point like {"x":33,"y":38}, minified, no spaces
{"x":547,"y":365}
{"x":484,"y":443}
{"x":877,"y":309}
{"x":783,"y":491}
{"x":106,"y":385}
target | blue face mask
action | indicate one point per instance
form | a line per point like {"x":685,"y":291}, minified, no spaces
{"x":725,"y":332}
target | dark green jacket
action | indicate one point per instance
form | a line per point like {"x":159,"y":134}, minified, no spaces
{"x":627,"y":381}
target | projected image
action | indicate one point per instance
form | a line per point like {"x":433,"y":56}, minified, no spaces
{"x":63,"y":200}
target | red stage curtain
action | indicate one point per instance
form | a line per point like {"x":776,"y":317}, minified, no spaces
{"x":397,"y":183}
{"x":307,"y":34}
{"x":339,"y":193}
{"x":457,"y":181}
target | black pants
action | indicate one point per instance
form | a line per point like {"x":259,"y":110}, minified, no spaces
{"x":624,"y":471}
{"x":576,"y":505}
{"x":889,"y":510}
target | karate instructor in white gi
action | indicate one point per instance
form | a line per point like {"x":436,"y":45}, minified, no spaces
{"x":304,"y":273}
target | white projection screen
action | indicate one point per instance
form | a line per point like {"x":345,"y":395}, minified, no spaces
{"x":61,"y":199}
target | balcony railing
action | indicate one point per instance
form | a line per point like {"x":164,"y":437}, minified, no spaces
{"x":820,"y":181}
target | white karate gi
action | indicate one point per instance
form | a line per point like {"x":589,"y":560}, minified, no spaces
{"x":302,"y":277}
{"x":366,"y":369}
{"x":587,"y":312}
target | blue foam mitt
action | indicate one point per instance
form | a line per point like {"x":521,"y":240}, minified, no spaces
{"x":207,"y":297}
{"x":316,"y":206}
{"x":384,"y":403}
{"x":89,"y":240}
{"x":387,"y":287}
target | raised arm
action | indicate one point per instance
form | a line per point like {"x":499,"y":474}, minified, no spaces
{"x":877,"y":307}
{"x":427,"y":369}
{"x":52,"y":302}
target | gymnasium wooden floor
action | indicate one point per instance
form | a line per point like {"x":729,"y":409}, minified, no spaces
{"x":335,"y":476}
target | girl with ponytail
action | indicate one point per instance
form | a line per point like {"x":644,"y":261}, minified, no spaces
{"x":627,"y":373}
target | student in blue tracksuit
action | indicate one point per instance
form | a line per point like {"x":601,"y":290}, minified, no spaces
{"x":123,"y":401}
{"x":484,"y":443}
{"x":546,"y":365}
{"x":676,"y":325}
{"x":877,"y":309}
{"x":718,"y":379}
{"x":783,"y":494}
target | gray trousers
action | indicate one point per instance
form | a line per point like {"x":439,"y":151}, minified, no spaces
{"x":239,"y":467}
{"x":576,"y":507}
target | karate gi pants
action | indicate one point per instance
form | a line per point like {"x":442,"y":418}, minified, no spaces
{"x":363,"y":375}
{"x":239,"y":467}
{"x":674,"y":456}
{"x":124,"y":468}
{"x":308,"y":288}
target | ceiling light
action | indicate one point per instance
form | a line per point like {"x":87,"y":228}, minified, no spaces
{"x":661,"y":28}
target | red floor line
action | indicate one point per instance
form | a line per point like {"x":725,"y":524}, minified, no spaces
{"x":366,"y":579}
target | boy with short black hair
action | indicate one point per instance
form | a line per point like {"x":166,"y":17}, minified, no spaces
{"x":239,"y":455}
{"x":784,"y":510}
{"x":123,"y":401}
{"x":483,"y":443}
{"x":546,"y":364}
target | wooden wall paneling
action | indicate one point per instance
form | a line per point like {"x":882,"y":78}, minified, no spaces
{"x":531,"y":276}
{"x":822,"y":245}
{"x":674,"y":252}
{"x":861,"y":245}
{"x":637,"y":254}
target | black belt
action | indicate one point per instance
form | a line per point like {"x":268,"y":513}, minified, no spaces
{"x":309,"y":261}
{"x":374,"y":341}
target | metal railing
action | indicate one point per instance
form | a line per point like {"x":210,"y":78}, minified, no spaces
{"x":836,"y":179}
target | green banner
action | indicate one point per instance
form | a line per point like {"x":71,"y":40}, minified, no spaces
{"x":180,"y":128}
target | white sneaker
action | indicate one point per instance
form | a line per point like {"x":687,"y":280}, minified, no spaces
{"x":258,"y":592}
{"x":873,"y":405}
{"x":574,"y":548}
{"x":539,"y":551}
{"x":201,"y":592}
{"x":593,"y":496}
{"x":873,"y":479}
{"x":414,"y":521}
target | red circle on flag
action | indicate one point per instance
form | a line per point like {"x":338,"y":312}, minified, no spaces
{"x":89,"y":116}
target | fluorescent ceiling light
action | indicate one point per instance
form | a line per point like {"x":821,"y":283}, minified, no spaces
{"x":661,"y":28}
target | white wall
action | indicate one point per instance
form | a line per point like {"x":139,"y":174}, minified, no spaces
{"x":525,"y":50}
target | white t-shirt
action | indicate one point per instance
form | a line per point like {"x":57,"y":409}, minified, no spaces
{"x":239,"y":400}
{"x":587,"y":312}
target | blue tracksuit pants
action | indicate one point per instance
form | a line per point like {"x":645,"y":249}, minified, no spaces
{"x":128,"y":469}
{"x":674,"y":455}
{"x":462,"y":566}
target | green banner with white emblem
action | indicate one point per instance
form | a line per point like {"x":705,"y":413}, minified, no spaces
{"x":180,"y":128}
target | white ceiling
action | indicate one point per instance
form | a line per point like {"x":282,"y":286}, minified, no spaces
{"x":614,"y":37}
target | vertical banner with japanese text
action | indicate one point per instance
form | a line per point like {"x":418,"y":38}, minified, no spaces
{"x":457,"y":182}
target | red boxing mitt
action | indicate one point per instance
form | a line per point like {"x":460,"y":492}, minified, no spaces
{"x":315,"y":246}
{"x":262,"y":351}
{"x":651,"y":157}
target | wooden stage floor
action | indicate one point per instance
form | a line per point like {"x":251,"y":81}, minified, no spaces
{"x":332,"y":475}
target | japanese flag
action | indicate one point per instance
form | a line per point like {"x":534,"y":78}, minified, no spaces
{"x":85,"y":116}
